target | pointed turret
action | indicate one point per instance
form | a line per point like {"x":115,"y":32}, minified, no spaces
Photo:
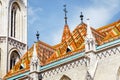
{"x":66,"y":31}
{"x":90,"y":40}
{"x":34,"y":56}
{"x":89,"y":31}
{"x":90,"y":49}
{"x":34,"y":65}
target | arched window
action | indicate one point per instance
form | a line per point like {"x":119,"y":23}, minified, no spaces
{"x":118,"y":74}
{"x":14,"y":57}
{"x":64,"y":77}
{"x":14,"y":19}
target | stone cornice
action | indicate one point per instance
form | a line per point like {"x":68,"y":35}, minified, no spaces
{"x":16,"y":43}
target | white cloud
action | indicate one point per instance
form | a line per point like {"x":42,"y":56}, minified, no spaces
{"x":33,"y":14}
{"x":57,"y":37}
{"x":100,"y":12}
{"x":98,"y":17}
{"x":108,"y":3}
{"x":33,"y":23}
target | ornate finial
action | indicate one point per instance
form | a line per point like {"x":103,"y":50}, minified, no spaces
{"x":65,"y":14}
{"x":81,"y":16}
{"x":37,"y":35}
{"x":89,"y":31}
{"x":90,"y":44}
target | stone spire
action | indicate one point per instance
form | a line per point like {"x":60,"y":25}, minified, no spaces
{"x":34,"y":65}
{"x":66,"y":31}
{"x":90,"y":49}
{"x":89,"y":31}
{"x":35,"y":53}
{"x":89,"y":40}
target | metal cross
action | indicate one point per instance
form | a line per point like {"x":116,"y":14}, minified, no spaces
{"x":65,"y":14}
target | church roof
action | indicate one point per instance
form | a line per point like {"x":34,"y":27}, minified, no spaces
{"x":23,"y":64}
{"x":72,"y":43}
{"x":66,"y":33}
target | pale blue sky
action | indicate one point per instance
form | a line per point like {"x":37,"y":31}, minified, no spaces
{"x":47,"y":16}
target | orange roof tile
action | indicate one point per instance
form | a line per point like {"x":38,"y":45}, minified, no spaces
{"x":66,"y":33}
{"x":74,"y":40}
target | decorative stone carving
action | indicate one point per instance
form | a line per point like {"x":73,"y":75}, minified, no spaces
{"x":65,"y":67}
{"x":2,"y":39}
{"x":108,"y":52}
{"x":16,"y":43}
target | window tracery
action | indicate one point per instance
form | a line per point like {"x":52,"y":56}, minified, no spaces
{"x":14,"y":19}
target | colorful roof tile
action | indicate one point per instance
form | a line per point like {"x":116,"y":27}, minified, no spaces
{"x":70,"y":44}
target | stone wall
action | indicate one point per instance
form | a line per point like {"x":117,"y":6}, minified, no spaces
{"x":107,"y":68}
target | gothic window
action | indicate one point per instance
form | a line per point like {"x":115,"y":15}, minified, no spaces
{"x":14,"y":17}
{"x":14,"y":57}
{"x":88,"y":76}
{"x":64,"y":77}
{"x":40,"y":77}
{"x":118,"y":74}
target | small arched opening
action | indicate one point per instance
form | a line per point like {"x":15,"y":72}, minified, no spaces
{"x":14,"y":57}
{"x":64,"y":77}
{"x":118,"y":74}
{"x":69,"y":49}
